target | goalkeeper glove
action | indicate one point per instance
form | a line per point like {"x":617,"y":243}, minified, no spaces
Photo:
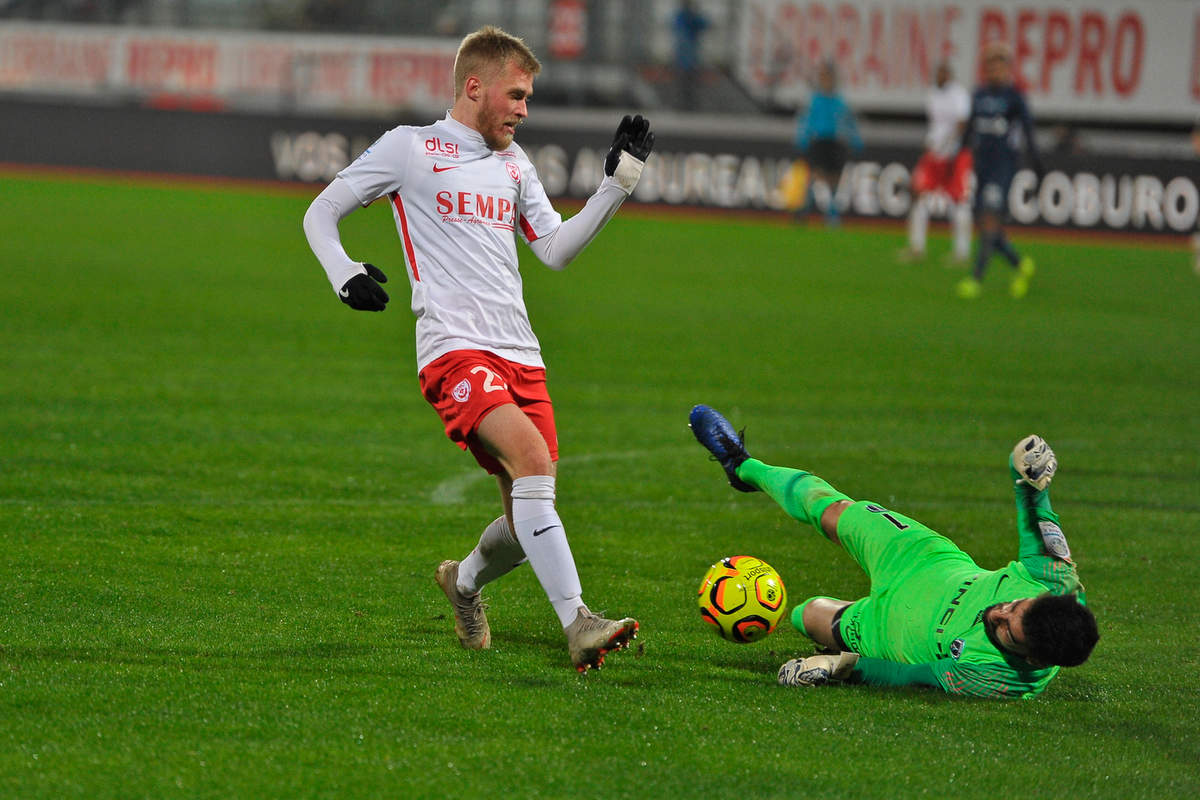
{"x":363,"y":292}
{"x":817,"y":670}
{"x":633,"y":138}
{"x":1034,"y":462}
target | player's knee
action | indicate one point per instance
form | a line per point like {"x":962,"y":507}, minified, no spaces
{"x":830,"y":517}
{"x":815,"y":619}
{"x":529,"y":456}
{"x":515,"y":441}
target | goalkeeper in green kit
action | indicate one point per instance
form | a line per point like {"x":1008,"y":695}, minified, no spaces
{"x":933,"y":616}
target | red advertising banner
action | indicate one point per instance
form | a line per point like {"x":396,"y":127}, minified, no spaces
{"x":1078,"y":59}
{"x":158,"y":64}
{"x":261,"y":71}
{"x":1075,"y":58}
{"x":49,"y":59}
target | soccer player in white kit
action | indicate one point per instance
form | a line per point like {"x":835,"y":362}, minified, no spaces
{"x":461,"y":191}
{"x":943,"y":167}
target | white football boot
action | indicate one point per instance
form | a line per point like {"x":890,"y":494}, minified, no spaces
{"x":591,"y":637}
{"x":470,"y":621}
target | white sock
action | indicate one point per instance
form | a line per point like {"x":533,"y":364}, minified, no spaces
{"x":541,"y":534}
{"x":497,"y":553}
{"x":918,"y":223}
{"x":960,"y":221}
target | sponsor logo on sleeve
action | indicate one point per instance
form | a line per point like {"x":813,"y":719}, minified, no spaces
{"x":1054,"y":540}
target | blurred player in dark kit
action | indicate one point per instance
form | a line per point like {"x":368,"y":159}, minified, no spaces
{"x":998,"y":127}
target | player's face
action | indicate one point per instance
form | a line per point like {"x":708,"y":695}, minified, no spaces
{"x":502,"y":105}
{"x":997,"y":71}
{"x":943,"y":76}
{"x":1005,"y":622}
{"x":825,"y":80}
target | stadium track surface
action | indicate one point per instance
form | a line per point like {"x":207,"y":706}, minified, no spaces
{"x":1040,"y":233}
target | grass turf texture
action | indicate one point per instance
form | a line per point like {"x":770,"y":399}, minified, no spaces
{"x":222,"y":500}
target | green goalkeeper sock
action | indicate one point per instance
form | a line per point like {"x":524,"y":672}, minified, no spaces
{"x":802,"y":495}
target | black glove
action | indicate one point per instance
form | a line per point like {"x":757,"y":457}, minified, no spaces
{"x":363,"y":292}
{"x":633,"y":135}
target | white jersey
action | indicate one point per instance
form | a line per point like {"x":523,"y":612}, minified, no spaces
{"x":946,"y":107}
{"x":457,"y":205}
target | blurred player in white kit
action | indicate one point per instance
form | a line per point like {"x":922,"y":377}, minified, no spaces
{"x":943,"y":168}
{"x":461,"y":191}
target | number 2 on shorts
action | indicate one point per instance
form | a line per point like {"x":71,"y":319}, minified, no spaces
{"x":491,"y":381}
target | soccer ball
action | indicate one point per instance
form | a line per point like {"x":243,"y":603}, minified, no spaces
{"x":743,"y":598}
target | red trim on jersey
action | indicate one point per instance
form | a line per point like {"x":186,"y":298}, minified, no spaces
{"x":408,"y":248}
{"x":527,"y":229}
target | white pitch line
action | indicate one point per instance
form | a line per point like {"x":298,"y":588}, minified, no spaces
{"x":453,"y":490}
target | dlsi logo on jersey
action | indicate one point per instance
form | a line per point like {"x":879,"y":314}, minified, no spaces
{"x":485,"y":209}
{"x":436,"y":147}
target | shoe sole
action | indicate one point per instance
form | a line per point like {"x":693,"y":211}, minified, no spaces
{"x":442,"y":578}
{"x":618,"y":641}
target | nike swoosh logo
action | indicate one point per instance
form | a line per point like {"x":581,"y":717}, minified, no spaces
{"x":540,"y":531}
{"x":436,"y":168}
{"x":344,"y":293}
{"x":999,"y":583}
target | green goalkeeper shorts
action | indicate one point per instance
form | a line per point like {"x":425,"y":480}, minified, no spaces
{"x":912,"y":568}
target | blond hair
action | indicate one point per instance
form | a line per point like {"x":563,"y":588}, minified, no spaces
{"x":485,"y":52}
{"x":996,"y":50}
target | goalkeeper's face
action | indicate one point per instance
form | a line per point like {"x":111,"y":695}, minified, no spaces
{"x":1004,"y":625}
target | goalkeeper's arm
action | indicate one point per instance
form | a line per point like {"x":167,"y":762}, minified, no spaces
{"x":821,"y":669}
{"x":1043,"y":547}
{"x":945,"y":674}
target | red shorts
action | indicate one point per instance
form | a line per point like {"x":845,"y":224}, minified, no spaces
{"x":935,"y":173}
{"x":464,"y":385}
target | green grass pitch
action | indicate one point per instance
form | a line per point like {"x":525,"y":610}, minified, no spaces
{"x":222,"y":500}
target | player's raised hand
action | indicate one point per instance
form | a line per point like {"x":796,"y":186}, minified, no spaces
{"x":1034,"y":461}
{"x":363,"y":292}
{"x":634,"y":137}
{"x":817,"y":670}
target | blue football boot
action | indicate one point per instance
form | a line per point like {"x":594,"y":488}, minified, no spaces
{"x":714,"y":432}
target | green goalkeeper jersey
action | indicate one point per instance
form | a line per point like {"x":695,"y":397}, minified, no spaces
{"x":923,"y":621}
